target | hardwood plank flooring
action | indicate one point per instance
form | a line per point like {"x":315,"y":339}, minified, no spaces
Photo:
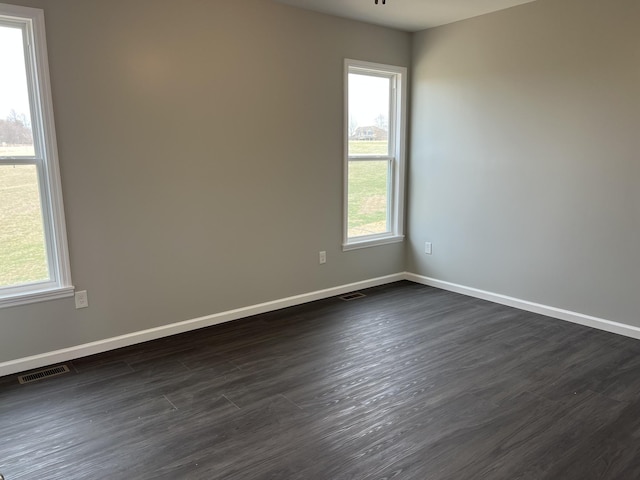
{"x":409,"y":382}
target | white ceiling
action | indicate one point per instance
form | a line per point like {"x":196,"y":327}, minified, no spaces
{"x":409,"y":15}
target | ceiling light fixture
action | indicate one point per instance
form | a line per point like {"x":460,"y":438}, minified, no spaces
{"x":384,"y":2}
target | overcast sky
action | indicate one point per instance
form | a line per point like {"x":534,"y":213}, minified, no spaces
{"x":13,"y":83}
{"x":368,"y":98}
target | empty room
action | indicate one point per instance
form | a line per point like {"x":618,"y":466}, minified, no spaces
{"x":319,"y":239}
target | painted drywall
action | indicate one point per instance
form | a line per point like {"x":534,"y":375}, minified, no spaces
{"x":200,"y":149}
{"x":525,"y":165}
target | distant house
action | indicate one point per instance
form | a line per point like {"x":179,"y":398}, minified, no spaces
{"x":370,"y":133}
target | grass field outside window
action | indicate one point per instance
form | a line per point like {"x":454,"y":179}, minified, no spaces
{"x":22,"y":245}
{"x":368,"y":190}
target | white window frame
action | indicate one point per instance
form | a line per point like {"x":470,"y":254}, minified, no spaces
{"x":31,"y":21}
{"x":396,"y":157}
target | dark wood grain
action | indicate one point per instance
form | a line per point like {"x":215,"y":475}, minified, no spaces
{"x":409,"y":382}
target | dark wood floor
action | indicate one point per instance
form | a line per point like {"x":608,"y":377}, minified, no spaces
{"x":410,"y":382}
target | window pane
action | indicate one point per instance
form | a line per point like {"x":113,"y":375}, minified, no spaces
{"x":368,"y":115}
{"x":368,"y":197}
{"x":16,"y":137}
{"x":23,"y":256}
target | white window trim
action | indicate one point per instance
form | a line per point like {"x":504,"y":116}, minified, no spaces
{"x":46,"y":161}
{"x":398,"y":156}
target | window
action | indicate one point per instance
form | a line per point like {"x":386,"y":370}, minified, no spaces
{"x":374,"y":154}
{"x":34,"y":261}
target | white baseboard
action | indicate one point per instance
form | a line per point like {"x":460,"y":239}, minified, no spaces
{"x":66,"y":354}
{"x":567,"y":315}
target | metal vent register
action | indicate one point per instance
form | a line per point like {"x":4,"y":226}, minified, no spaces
{"x":42,"y":374}
{"x":351,"y":296}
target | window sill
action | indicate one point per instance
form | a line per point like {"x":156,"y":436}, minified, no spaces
{"x":372,"y":242}
{"x":35,"y":296}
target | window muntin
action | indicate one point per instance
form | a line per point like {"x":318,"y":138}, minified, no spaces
{"x":374,"y":158}
{"x":33,"y":252}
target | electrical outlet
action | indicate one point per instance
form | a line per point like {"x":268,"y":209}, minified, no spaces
{"x":82,"y":300}
{"x":427,"y":248}
{"x":322,"y":257}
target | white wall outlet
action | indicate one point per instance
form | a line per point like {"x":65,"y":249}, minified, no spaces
{"x":427,"y":248}
{"x":82,"y":300}
{"x":322,"y":257}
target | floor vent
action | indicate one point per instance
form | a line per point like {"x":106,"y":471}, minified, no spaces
{"x":351,"y":296}
{"x":42,"y":374}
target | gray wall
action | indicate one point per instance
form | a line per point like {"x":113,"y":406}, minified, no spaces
{"x":525,"y":166}
{"x":200,"y":148}
{"x":201,"y":155}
